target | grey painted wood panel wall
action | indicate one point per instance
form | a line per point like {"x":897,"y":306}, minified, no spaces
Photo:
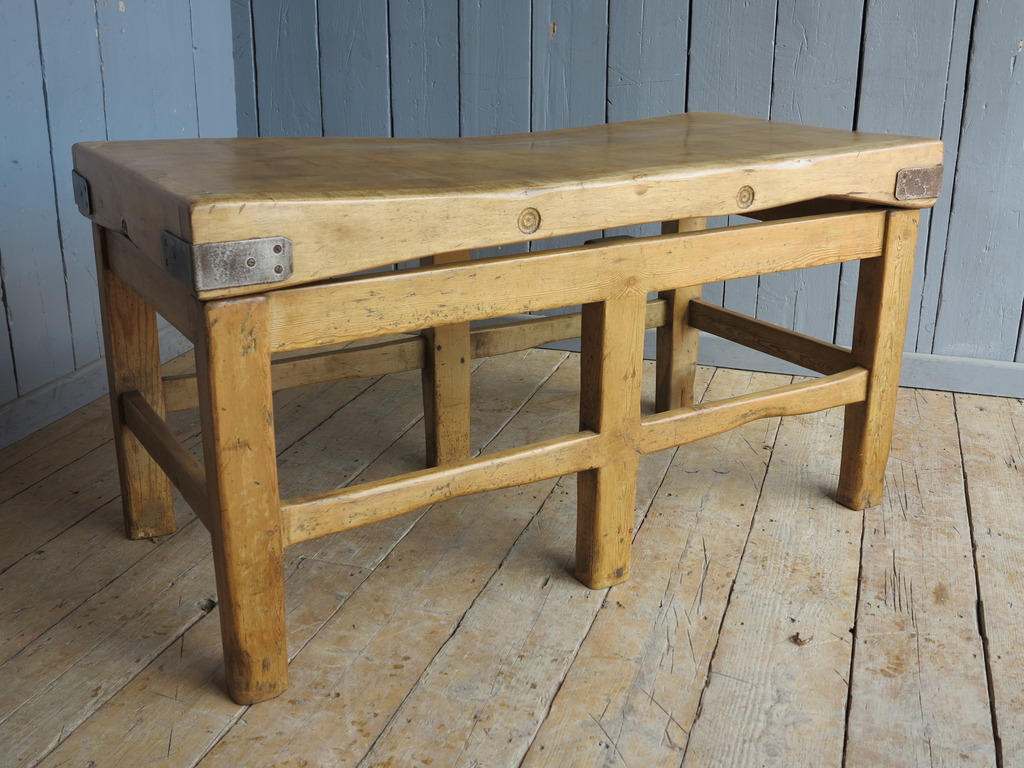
{"x":77,"y":72}
{"x":141,"y":68}
{"x":424,"y":68}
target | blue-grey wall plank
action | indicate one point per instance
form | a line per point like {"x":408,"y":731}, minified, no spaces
{"x":937,"y":233}
{"x":817,"y":50}
{"x":149,"y":81}
{"x":849,"y":275}
{"x":647,"y":57}
{"x":148,"y":74}
{"x":494,"y":66}
{"x":495,"y":73}
{"x":569,"y":66}
{"x":354,"y":68}
{"x":732,"y":52}
{"x":906,"y":80}
{"x":424,"y":51}
{"x":424,"y":67}
{"x":244,"y":55}
{"x":983,"y":282}
{"x":646,"y":67}
{"x":8,"y":384}
{"x":31,"y":267}
{"x":570,"y":45}
{"x":904,"y":71}
{"x":903,"y":89}
{"x":112,"y":70}
{"x":287,"y":67}
{"x":74,"y":89}
{"x":213,"y":61}
{"x":817,"y":53}
{"x":731,"y":56}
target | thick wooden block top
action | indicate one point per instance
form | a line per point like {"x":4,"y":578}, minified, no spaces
{"x":348,"y":204}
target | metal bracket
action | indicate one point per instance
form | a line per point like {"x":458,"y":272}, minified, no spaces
{"x":81,"y":187}
{"x":919,"y":183}
{"x":230,"y":264}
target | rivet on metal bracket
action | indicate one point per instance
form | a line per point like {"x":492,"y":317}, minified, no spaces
{"x":230,"y":264}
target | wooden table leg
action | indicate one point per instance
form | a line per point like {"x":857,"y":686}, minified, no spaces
{"x":132,"y":344}
{"x":446,"y":384}
{"x":883,"y":300}
{"x":236,"y":409}
{"x":677,"y":342}
{"x":611,"y":348}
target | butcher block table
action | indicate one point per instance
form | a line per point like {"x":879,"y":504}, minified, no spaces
{"x":257,"y":249}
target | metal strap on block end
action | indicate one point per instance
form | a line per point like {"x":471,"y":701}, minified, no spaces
{"x":919,"y":183}
{"x":82,"y":198}
{"x":230,"y":264}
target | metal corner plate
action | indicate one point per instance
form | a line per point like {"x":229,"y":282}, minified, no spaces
{"x":81,"y":187}
{"x":919,"y":183}
{"x":230,"y":264}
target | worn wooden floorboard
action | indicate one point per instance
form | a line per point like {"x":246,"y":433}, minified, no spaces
{"x":992,"y":439}
{"x":58,"y":444}
{"x":487,"y":690}
{"x":919,"y":689}
{"x":55,"y":446}
{"x":632,"y":691}
{"x":502,"y":386}
{"x":776,"y":690}
{"x":456,"y":635}
{"x":83,"y":559}
{"x":136,"y":609}
{"x":307,"y":586}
